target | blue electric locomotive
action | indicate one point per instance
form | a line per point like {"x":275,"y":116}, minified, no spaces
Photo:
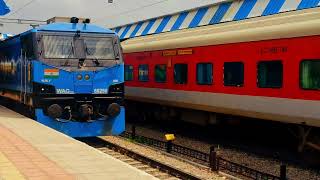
{"x":70,"y":74}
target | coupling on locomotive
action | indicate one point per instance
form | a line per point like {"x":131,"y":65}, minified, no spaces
{"x":70,"y":74}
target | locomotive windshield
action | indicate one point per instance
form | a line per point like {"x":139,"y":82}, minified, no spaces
{"x":60,"y":47}
{"x":74,"y":51}
{"x":99,"y":48}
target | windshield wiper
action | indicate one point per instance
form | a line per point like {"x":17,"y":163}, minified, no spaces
{"x":95,"y":60}
{"x":70,"y":53}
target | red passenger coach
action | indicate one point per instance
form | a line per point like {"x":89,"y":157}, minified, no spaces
{"x":265,"y":67}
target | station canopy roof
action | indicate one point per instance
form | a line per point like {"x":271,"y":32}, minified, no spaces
{"x":224,"y":11}
{"x":4,"y":9}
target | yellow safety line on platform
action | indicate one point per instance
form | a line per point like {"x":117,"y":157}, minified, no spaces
{"x":7,"y":170}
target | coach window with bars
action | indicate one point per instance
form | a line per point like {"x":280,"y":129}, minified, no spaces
{"x":180,"y":73}
{"x":204,"y":73}
{"x":160,"y":73}
{"x":128,"y":73}
{"x":270,"y":74}
{"x":310,"y":74}
{"x":143,"y":72}
{"x":233,"y":74}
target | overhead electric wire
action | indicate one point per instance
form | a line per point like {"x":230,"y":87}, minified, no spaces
{"x":14,"y":23}
{"x":18,"y":19}
{"x":21,"y":21}
{"x":135,"y":9}
{"x":3,"y":22}
{"x":24,"y":6}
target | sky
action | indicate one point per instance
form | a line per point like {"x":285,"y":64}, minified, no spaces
{"x":100,"y":12}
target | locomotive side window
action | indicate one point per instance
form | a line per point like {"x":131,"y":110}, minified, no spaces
{"x":233,"y":74}
{"x":270,"y":74}
{"x":310,"y":74}
{"x":28,"y":46}
{"x":143,"y":72}
{"x":160,"y":73}
{"x":204,"y":73}
{"x":128,"y":73}
{"x":181,"y":73}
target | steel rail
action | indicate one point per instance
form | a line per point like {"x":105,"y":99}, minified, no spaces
{"x":146,"y":160}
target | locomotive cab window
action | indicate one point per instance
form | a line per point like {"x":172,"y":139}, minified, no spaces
{"x":233,"y":74}
{"x":270,"y":74}
{"x":204,"y":73}
{"x":128,"y":73}
{"x":310,"y":74}
{"x":160,"y":73}
{"x":143,"y":72}
{"x":180,"y":73}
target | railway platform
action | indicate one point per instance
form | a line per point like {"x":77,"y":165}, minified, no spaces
{"x":29,"y":150}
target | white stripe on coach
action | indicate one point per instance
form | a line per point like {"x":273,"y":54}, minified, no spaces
{"x":171,"y":22}
{"x":208,"y":16}
{"x":155,"y":26}
{"x":142,"y":28}
{"x":188,"y":19}
{"x":290,"y":5}
{"x":232,"y":11}
{"x":258,"y":8}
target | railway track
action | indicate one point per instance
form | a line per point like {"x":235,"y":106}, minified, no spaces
{"x":153,"y":167}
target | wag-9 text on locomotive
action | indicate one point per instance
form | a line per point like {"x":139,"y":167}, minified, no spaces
{"x":69,"y":74}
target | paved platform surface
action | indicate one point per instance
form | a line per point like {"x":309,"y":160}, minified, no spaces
{"x":29,"y":150}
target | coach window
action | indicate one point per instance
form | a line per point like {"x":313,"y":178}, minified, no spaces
{"x":310,"y":74}
{"x":233,"y":74}
{"x":270,"y":74}
{"x":181,"y":73}
{"x":128,"y":73}
{"x":204,"y":73}
{"x":143,"y":72}
{"x":160,"y":73}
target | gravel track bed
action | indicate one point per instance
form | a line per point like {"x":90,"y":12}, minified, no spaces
{"x":203,"y":173}
{"x":259,"y":163}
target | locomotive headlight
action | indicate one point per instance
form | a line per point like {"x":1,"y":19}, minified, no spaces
{"x":87,"y":77}
{"x":79,"y":76}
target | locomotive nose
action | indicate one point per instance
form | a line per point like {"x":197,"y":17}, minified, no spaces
{"x":113,"y":110}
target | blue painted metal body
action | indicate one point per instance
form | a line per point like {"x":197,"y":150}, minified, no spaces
{"x":112,"y":126}
{"x":18,"y":75}
{"x":68,"y":81}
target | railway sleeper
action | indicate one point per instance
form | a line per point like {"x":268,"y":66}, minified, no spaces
{"x":134,"y":163}
{"x":127,"y":160}
{"x":142,"y":166}
{"x":161,"y":174}
{"x":151,"y":170}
